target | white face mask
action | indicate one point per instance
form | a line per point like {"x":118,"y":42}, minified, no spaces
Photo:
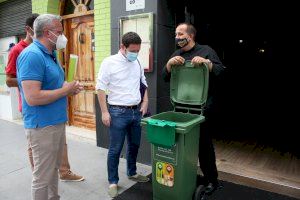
{"x":61,"y":41}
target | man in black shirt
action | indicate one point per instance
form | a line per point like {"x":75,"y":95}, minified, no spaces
{"x":198,"y":54}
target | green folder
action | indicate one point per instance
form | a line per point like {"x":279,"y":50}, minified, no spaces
{"x":72,"y":67}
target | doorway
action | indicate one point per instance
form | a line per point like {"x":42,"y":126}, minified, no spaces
{"x":78,"y":22}
{"x":82,"y":106}
{"x":255,"y":101}
{"x":256,"y":98}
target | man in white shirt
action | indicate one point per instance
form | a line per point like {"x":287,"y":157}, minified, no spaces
{"x":119,"y":78}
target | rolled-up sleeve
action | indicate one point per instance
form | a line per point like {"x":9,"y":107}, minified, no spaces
{"x":103,"y":78}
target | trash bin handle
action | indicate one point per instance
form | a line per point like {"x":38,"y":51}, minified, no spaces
{"x":191,"y":65}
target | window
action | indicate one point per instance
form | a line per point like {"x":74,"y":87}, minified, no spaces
{"x":142,"y":24}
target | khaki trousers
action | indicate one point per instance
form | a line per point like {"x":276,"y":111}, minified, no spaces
{"x":47,"y":146}
{"x":65,"y":165}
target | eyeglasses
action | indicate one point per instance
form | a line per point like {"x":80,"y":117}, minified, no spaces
{"x":56,"y":31}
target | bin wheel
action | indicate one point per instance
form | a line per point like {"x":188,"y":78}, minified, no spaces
{"x":199,"y":193}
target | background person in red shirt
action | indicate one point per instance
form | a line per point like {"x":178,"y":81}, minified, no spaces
{"x":65,"y":173}
{"x":11,"y":69}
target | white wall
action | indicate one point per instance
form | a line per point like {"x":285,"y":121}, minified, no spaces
{"x":4,"y":42}
{"x":9,"y":105}
{"x":8,"y":96}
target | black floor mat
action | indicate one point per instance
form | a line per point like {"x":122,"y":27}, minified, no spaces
{"x":230,"y":191}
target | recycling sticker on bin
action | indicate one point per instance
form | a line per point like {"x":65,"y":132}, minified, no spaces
{"x":166,"y":154}
{"x":165,"y":174}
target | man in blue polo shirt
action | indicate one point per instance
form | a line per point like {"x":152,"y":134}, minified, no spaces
{"x":44,"y":91}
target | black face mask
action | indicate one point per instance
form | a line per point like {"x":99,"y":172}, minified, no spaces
{"x":181,"y":42}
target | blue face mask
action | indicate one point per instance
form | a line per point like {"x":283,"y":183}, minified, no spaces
{"x":131,"y":56}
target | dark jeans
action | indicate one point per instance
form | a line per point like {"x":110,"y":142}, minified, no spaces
{"x":207,"y":157}
{"x":124,"y":122}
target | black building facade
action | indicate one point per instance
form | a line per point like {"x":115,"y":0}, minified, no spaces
{"x":256,"y":102}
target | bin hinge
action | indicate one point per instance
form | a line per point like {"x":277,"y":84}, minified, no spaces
{"x":188,"y":109}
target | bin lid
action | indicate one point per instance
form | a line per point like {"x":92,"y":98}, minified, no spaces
{"x":189,"y":84}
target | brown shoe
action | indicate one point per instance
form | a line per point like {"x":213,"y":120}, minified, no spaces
{"x":70,"y":176}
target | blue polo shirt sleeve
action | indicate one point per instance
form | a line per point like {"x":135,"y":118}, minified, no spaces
{"x":31,"y":66}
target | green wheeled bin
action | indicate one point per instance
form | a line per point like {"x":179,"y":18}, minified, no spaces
{"x":174,"y":135}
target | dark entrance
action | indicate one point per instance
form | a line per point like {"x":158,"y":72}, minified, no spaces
{"x":256,"y":100}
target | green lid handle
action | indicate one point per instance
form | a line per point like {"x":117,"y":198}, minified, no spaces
{"x":161,"y":123}
{"x":188,"y":63}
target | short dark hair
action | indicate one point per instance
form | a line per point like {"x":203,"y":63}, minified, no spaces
{"x":190,"y":28}
{"x":29,"y":21}
{"x":131,"y":38}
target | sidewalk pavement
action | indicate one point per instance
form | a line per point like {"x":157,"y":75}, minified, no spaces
{"x":85,"y":158}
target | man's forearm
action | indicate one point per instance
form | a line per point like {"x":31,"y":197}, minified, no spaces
{"x":44,"y":97}
{"x":102,"y":101}
{"x":145,"y":98}
{"x":11,"y":81}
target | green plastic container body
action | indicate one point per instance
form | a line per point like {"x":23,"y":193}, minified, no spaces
{"x":174,"y":167}
{"x":174,"y":136}
{"x":162,"y":132}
